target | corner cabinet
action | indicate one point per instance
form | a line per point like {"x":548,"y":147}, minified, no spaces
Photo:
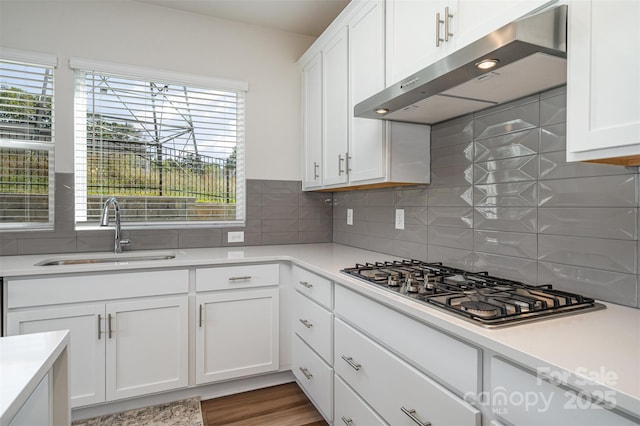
{"x":603,"y":82}
{"x":133,"y":344}
{"x":237,"y":324}
{"x":344,"y":67}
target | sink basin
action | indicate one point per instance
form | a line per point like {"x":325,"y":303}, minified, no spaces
{"x":115,"y":259}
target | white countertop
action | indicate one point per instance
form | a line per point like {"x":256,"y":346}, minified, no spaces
{"x":24,"y":361}
{"x":598,"y":351}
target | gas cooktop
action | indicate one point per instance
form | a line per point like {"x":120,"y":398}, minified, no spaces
{"x":476,"y":296}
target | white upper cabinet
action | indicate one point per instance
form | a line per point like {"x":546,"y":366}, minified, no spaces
{"x":603,"y":82}
{"x":312,"y":122}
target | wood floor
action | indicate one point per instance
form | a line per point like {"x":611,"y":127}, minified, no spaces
{"x":284,"y":405}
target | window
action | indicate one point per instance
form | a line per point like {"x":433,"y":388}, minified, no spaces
{"x":169,"y":148}
{"x":26,"y":140}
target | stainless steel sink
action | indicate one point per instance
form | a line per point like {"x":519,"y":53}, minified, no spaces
{"x":115,"y":259}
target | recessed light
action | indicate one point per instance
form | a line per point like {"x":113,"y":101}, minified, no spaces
{"x":382,"y":111}
{"x":487,"y":64}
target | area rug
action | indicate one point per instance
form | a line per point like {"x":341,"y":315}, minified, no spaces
{"x":186,"y":412}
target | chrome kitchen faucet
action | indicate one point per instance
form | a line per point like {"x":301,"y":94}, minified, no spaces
{"x":111,"y":201}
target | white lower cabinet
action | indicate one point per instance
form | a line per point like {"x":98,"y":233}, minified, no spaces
{"x":401,"y":394}
{"x":314,"y":376}
{"x":117,"y":350}
{"x":521,"y":397}
{"x":237,"y":333}
{"x":350,"y":409}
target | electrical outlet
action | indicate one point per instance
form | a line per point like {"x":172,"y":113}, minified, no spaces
{"x":235,"y":237}
{"x":399,"y":218}
{"x":349,"y":216}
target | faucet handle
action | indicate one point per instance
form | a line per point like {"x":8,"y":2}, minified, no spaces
{"x":125,"y":242}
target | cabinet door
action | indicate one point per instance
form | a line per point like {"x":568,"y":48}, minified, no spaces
{"x":603,"y":87}
{"x":147,"y":344}
{"x":335,"y":68}
{"x":366,"y":54}
{"x":312,"y":122}
{"x":237,"y":334}
{"x":411,"y":36}
{"x":86,"y":345}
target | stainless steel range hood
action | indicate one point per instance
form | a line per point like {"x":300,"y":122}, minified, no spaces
{"x":531,"y":57}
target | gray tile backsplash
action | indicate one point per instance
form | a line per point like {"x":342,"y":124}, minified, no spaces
{"x":503,"y":199}
{"x":277,"y":212}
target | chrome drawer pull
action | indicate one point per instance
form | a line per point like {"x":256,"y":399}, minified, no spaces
{"x":109,"y":320}
{"x":347,"y":420}
{"x":306,"y":373}
{"x":306,"y":284}
{"x":200,"y":316}
{"x":242,"y":278}
{"x":305,"y":323}
{"x":99,"y":326}
{"x":412,"y":416}
{"x":351,"y":362}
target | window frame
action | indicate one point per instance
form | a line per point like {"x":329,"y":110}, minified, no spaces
{"x":81,"y":66}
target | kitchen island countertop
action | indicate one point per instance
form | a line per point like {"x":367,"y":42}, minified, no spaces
{"x":598,"y":351}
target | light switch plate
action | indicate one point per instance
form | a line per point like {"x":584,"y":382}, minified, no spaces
{"x":399,"y":218}
{"x":235,"y":237}
{"x":349,"y":216}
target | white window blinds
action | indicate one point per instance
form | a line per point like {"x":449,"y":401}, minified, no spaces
{"x":171,"y":150}
{"x":26,"y":141}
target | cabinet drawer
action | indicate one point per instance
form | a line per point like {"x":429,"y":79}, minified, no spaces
{"x":314,"y":375}
{"x":314,"y":325}
{"x":452,"y":362}
{"x":314,"y":286}
{"x":241,"y":276}
{"x":83,"y":288}
{"x":350,"y":409}
{"x":392,"y":387}
{"x":520,"y":397}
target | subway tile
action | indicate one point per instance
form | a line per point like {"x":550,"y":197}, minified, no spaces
{"x":452,"y":155}
{"x":340,"y":199}
{"x":514,"y":169}
{"x":250,"y":225}
{"x":415,"y":215}
{"x":513,"y":268}
{"x":48,"y":245}
{"x":254,"y":200}
{"x":518,"y":117}
{"x":375,"y":229}
{"x":253,"y":212}
{"x":279,"y":225}
{"x":410,"y":250}
{"x":554,"y":92}
{"x":281,"y":186}
{"x":383,"y":245}
{"x":316,"y":225}
{"x":457,"y":217}
{"x":379,"y":198}
{"x":308,"y":237}
{"x":553,"y":165}
{"x":517,"y":103}
{"x":96,"y":240}
{"x":8,"y":245}
{"x":452,"y":132}
{"x":599,"y":253}
{"x":512,"y":219}
{"x":357,"y":199}
{"x":250,"y":239}
{"x":553,"y":138}
{"x":516,"y":194}
{"x":451,"y":176}
{"x":506,"y":243}
{"x":458,"y":258}
{"x":200,"y":238}
{"x":254,"y":186}
{"x":515,"y":144}
{"x":315,"y":199}
{"x":601,"y":191}
{"x":271,"y":238}
{"x":280,"y":212}
{"x":152,"y":239}
{"x":604,"y":285}
{"x":378,"y":214}
{"x":553,"y":109}
{"x":601,"y":222}
{"x":279,"y":199}
{"x":460,"y":238}
{"x":410,"y":197}
{"x":451,"y":196}
{"x":412,"y":233}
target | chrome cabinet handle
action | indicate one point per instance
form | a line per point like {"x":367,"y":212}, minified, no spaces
{"x":447,"y":20}
{"x":305,"y":323}
{"x":351,"y":362}
{"x":348,"y":164}
{"x":316,"y":166}
{"x":109,"y":321}
{"x":340,"y":160}
{"x":347,"y":420}
{"x":412,"y":416}
{"x":438,"y":22}
{"x":306,"y":284}
{"x":200,"y":316}
{"x":241,"y":278}
{"x":306,"y":373}
{"x":99,"y":326}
